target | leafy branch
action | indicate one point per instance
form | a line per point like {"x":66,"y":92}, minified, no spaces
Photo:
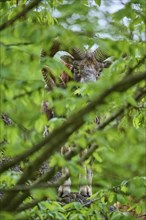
{"x":27,"y":93}
{"x":139,"y":63}
{"x":31,"y":204}
{"x":60,"y":135}
{"x":40,"y":182}
{"x":71,"y":120}
{"x":30,"y":6}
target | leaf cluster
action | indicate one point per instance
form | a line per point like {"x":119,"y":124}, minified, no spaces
{"x":116,"y":145}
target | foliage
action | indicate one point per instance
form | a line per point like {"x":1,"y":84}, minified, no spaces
{"x":119,"y":156}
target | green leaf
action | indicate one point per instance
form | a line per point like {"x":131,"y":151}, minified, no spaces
{"x":111,"y":197}
{"x":98,"y":2}
{"x":97,"y":157}
{"x":138,"y":209}
{"x":124,"y":189}
{"x":77,"y":205}
{"x":122,"y":199}
{"x":6,"y":216}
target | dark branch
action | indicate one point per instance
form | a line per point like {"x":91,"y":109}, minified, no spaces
{"x":45,"y":185}
{"x":31,"y":204}
{"x":15,"y":44}
{"x":30,"y":6}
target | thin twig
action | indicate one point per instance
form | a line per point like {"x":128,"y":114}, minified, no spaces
{"x":15,"y":44}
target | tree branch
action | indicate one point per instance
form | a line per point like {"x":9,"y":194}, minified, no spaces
{"x":30,"y":6}
{"x":45,"y":185}
{"x":31,"y":204}
{"x":15,"y":44}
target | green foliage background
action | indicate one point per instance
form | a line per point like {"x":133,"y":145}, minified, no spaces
{"x":119,"y":160}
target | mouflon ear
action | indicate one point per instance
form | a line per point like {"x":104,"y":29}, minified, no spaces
{"x":100,"y":55}
{"x":78,"y":54}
